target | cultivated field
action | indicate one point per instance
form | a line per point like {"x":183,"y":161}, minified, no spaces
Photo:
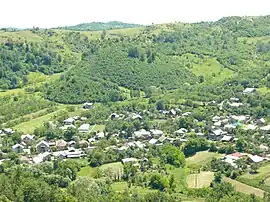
{"x":241,"y":187}
{"x":200,"y":180}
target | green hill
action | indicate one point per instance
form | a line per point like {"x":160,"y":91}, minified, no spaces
{"x":204,"y":60}
{"x":95,"y":26}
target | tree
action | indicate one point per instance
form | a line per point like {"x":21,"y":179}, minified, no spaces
{"x":172,"y":155}
{"x":103,"y":35}
{"x":254,"y":167}
{"x":157,"y":181}
{"x":69,"y":133}
{"x":217,"y":177}
{"x":160,"y":105}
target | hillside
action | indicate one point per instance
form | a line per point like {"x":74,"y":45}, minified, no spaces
{"x":233,"y":52}
{"x":96,"y":26}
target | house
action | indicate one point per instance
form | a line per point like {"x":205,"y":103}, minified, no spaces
{"x":83,"y":118}
{"x":226,"y":138}
{"x":88,"y":105}
{"x":265,"y":128}
{"x":241,"y":118}
{"x":235,"y":104}
{"x":218,"y":123}
{"x":172,"y":112}
{"x":8,"y":131}
{"x":72,"y":153}
{"x":250,"y":127}
{"x":42,"y":157}
{"x":100,"y":135}
{"x":217,"y":134}
{"x":234,"y":99}
{"x":114,"y":116}
{"x":216,"y":119}
{"x":264,"y":148}
{"x":27,"y":139}
{"x":130,"y":160}
{"x":69,"y":121}
{"x":181,"y":131}
{"x":123,"y":148}
{"x":18,"y":148}
{"x":71,"y":143}
{"x":249,"y":90}
{"x":139,"y":144}
{"x":84,"y":128}
{"x":162,"y":139}
{"x":153,"y":141}
{"x":136,"y":116}
{"x":229,"y":127}
{"x":61,"y":144}
{"x":156,"y":133}
{"x":261,"y":121}
{"x":186,"y":114}
{"x":255,"y":158}
{"x":142,"y":134}
{"x":43,"y":147}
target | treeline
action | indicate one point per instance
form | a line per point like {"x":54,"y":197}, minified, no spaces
{"x":17,"y":59}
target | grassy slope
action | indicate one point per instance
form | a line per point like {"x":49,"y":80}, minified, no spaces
{"x":200,"y":180}
{"x":202,"y":158}
{"x":241,"y":187}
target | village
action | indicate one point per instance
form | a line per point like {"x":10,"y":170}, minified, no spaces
{"x":33,"y":150}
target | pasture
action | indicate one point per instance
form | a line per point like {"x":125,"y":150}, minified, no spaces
{"x":202,"y":158}
{"x":200,"y":180}
{"x":241,"y":187}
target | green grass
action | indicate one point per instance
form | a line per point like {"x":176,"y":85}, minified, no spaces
{"x":87,"y":172}
{"x":20,"y":36}
{"x":241,"y":187}
{"x":179,"y":176}
{"x":212,"y":70}
{"x":262,"y":172}
{"x":264,"y":90}
{"x":30,"y":126}
{"x":202,"y":158}
{"x":98,"y":128}
{"x":200,"y":180}
{"x":119,"y":186}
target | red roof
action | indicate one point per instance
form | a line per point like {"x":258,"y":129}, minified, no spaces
{"x":237,"y":154}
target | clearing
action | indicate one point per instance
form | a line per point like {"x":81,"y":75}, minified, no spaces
{"x":212,"y":70}
{"x":241,"y":187}
{"x":200,"y":180}
{"x":202,"y":158}
{"x":98,"y":128}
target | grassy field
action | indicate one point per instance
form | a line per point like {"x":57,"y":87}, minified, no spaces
{"x":30,"y":126}
{"x":87,"y":172}
{"x":264,"y":90}
{"x":90,"y":172}
{"x":98,"y":128}
{"x":241,"y":187}
{"x":211,"y":70}
{"x":200,"y":180}
{"x":179,"y":176}
{"x":262,"y":172}
{"x":202,"y":158}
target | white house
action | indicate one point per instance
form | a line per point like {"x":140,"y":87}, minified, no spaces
{"x":142,"y":134}
{"x":153,"y":141}
{"x":27,"y":139}
{"x":84,"y":128}
{"x":69,"y":121}
{"x":129,"y":160}
{"x":156,"y":132}
{"x":17,"y":148}
{"x":43,"y":147}
{"x":249,"y":90}
{"x":88,"y":105}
